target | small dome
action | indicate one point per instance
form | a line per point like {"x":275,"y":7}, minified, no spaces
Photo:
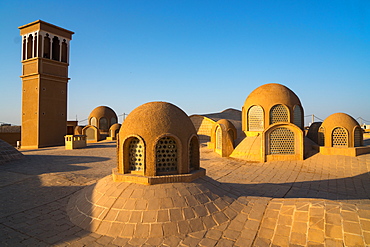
{"x":103,"y":111}
{"x":271,"y":94}
{"x":230,"y":128}
{"x":158,"y":138}
{"x":154,"y":119}
{"x":115,"y":127}
{"x":340,"y":120}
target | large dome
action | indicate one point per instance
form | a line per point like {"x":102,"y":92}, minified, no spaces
{"x":103,"y":111}
{"x":154,"y":119}
{"x":271,"y":94}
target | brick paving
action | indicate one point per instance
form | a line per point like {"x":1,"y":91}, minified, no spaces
{"x":321,"y":201}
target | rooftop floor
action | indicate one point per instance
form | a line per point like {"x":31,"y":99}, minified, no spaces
{"x":323,"y":200}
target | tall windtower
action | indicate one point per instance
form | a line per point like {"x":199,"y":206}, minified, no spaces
{"x":45,"y":60}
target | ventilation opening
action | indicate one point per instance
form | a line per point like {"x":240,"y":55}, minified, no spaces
{"x":282,"y":141}
{"x":321,"y":136}
{"x":136,"y":155}
{"x":339,"y":137}
{"x":278,"y":113}
{"x":166,"y":156}
{"x":255,"y":119}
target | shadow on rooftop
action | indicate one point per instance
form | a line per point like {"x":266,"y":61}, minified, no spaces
{"x":40,"y":164}
{"x":349,"y":188}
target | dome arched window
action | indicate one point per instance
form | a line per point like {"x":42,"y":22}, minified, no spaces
{"x":279,"y":113}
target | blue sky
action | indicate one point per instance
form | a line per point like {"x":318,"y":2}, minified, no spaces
{"x":203,"y":56}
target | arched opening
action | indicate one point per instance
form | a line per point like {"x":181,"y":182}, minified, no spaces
{"x":93,"y":122}
{"x":64,"y":51}
{"x":29,"y":46}
{"x":297,"y":116}
{"x":35,"y":47}
{"x":113,"y":120}
{"x":279,"y":113}
{"x":281,"y":141}
{"x":166,"y":156}
{"x":255,"y":118}
{"x":194,"y":154}
{"x":103,"y":124}
{"x":24,"y":48}
{"x":218,"y":138}
{"x":339,"y":137}
{"x":135,"y":154}
{"x":90,"y":134}
{"x":46,"y":46}
{"x":358,"y":137}
{"x":55,"y":48}
{"x":321,"y":136}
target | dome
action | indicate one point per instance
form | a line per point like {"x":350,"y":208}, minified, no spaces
{"x":230,"y":128}
{"x":158,"y":138}
{"x":154,"y":119}
{"x":8,"y":152}
{"x":115,"y":127}
{"x":268,"y":104}
{"x":271,"y":94}
{"x":103,"y":117}
{"x":103,"y":111}
{"x":340,"y":120}
{"x":341,"y":130}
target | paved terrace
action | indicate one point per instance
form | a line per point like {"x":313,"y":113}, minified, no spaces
{"x":322,"y":201}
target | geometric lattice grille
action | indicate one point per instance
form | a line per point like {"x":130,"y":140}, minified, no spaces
{"x":278,"y":113}
{"x":339,"y":137}
{"x":166,"y":156}
{"x":255,"y":118}
{"x":103,"y":124}
{"x":358,"y":137}
{"x":297,"y":116}
{"x":282,"y":141}
{"x":321,"y":136}
{"x":136,"y":155}
{"x":218,"y":138}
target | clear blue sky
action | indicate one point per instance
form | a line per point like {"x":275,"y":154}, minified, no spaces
{"x":203,"y":56}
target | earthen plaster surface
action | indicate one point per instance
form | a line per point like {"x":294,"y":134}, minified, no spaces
{"x":323,"y":200}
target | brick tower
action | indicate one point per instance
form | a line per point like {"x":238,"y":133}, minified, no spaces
{"x":45,"y":60}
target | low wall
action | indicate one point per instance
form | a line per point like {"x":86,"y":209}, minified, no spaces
{"x":10,"y":134}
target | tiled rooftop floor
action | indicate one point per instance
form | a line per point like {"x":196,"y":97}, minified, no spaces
{"x":323,"y":200}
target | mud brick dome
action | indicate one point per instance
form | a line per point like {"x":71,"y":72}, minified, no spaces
{"x":340,"y":130}
{"x":268,"y":104}
{"x":102,"y":117}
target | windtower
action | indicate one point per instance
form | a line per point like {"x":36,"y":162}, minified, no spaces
{"x":45,"y":60}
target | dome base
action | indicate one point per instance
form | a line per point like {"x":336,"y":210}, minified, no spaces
{"x":130,"y":210}
{"x":140,"y":179}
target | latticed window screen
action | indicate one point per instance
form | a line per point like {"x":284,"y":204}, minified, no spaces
{"x":339,"y":137}
{"x":103,"y":123}
{"x":358,"y":137}
{"x":166,"y":156}
{"x":136,"y":155}
{"x":113,"y":120}
{"x":282,"y":141}
{"x":278,"y":113}
{"x":321,"y":136}
{"x":218,"y":138}
{"x":297,"y":111}
{"x":255,"y":118}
